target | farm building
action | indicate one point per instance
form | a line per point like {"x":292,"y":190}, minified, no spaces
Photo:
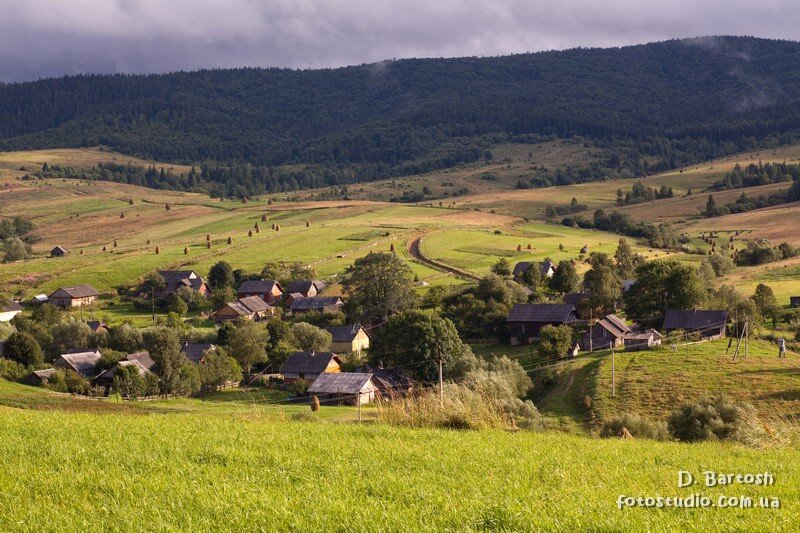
{"x":794,"y":302}
{"x":175,"y":279}
{"x":574,"y":298}
{"x":250,"y":307}
{"x":77,"y":296}
{"x":268,"y":290}
{"x":708,"y":324}
{"x":196,"y":351}
{"x":391,"y":382}
{"x":526,"y":320}
{"x":9,"y":310}
{"x":546,"y":268}
{"x":83,"y":363}
{"x":638,"y":341}
{"x":106,"y":378}
{"x":608,"y":332}
{"x":39,"y":378}
{"x":627,"y":284}
{"x":58,"y":251}
{"x":96,"y":325}
{"x":307,"y":288}
{"x":143,"y":358}
{"x":309,"y":365}
{"x":355,"y":388}
{"x":325,"y":304}
{"x":289,"y":298}
{"x":39,"y":299}
{"x":349,"y":338}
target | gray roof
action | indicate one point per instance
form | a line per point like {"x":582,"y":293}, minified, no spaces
{"x":574,"y":298}
{"x":342,"y":383}
{"x":315,"y":302}
{"x":195,"y":351}
{"x":546,"y":313}
{"x":10,"y":306}
{"x":643,"y":335}
{"x":523,"y":266}
{"x":614,"y":325}
{"x":143,"y":358}
{"x":309,"y":362}
{"x":111,"y":372}
{"x":82,"y":362}
{"x":44,"y":374}
{"x":344,"y":333}
{"x":78,"y":291}
{"x":259,"y":286}
{"x":301,"y":285}
{"x":694,"y":320}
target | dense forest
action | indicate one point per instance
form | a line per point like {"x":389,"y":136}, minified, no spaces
{"x":648,"y":107}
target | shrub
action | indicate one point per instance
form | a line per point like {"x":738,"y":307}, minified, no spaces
{"x":11,"y":370}
{"x":717,"y":419}
{"x":636,"y":425}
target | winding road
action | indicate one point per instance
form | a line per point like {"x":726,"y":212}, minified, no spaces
{"x":415,"y":252}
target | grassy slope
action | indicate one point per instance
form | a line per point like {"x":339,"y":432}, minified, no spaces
{"x":106,"y":472}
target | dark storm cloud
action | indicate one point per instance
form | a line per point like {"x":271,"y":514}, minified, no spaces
{"x":47,"y":38}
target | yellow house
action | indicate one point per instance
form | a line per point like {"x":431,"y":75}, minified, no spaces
{"x":351,"y":338}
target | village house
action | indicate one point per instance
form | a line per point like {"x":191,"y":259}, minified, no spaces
{"x":58,"y":251}
{"x":575,"y":298}
{"x":9,"y":310}
{"x":175,"y":279}
{"x":526,"y":320}
{"x":106,"y":378}
{"x":609,"y":332}
{"x":708,"y":325}
{"x":638,"y":341}
{"x":39,"y":299}
{"x":309,"y":365}
{"x":794,"y":302}
{"x":39,"y":378}
{"x":307,"y":288}
{"x":96,"y":326}
{"x":268,"y":290}
{"x":354,"y":388}
{"x":251,"y":308}
{"x":391,"y":382}
{"x":77,"y":296}
{"x":196,"y":351}
{"x":83,"y":363}
{"x":546,"y":268}
{"x":325,"y":304}
{"x":352,"y":338}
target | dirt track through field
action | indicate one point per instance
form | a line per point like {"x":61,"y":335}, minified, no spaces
{"x":415,"y":252}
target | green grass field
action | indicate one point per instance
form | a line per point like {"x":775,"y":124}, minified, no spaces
{"x":87,"y":472}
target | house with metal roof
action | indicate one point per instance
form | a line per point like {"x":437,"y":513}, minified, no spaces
{"x":9,"y":310}
{"x":310,"y":365}
{"x":324,"y":304}
{"x":546,"y":268}
{"x":196,"y":351}
{"x":355,"y":388}
{"x":526,"y":320}
{"x":76,"y":296}
{"x":83,"y":363}
{"x":268,"y":290}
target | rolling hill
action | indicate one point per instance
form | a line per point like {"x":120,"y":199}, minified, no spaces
{"x":649,"y":107}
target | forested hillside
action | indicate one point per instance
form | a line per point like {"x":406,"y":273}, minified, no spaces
{"x":653,"y":107}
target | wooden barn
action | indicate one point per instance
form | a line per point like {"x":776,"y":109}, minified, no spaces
{"x":310,"y":365}
{"x":268,"y":290}
{"x":609,"y":332}
{"x":638,"y":341}
{"x":39,"y":378}
{"x":250,"y":307}
{"x":77,"y":296}
{"x":175,"y":279}
{"x":307,"y":288}
{"x":546,"y":268}
{"x":353,"y":388}
{"x":83,"y":363}
{"x":708,"y":325}
{"x":794,"y":302}
{"x":59,"y":251}
{"x":197,"y":351}
{"x":526,"y":320}
{"x":351,"y":338}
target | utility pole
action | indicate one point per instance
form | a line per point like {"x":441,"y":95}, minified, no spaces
{"x":359,"y":407}
{"x":746,"y":334}
{"x":441,"y":385}
{"x":153,"y":301}
{"x":591,"y":326}
{"x":613,"y":375}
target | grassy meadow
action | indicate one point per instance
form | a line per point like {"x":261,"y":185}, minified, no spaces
{"x":76,"y":471}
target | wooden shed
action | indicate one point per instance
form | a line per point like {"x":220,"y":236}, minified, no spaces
{"x":354,"y":388}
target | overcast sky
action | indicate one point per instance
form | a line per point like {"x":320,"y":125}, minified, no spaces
{"x":40,"y":38}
